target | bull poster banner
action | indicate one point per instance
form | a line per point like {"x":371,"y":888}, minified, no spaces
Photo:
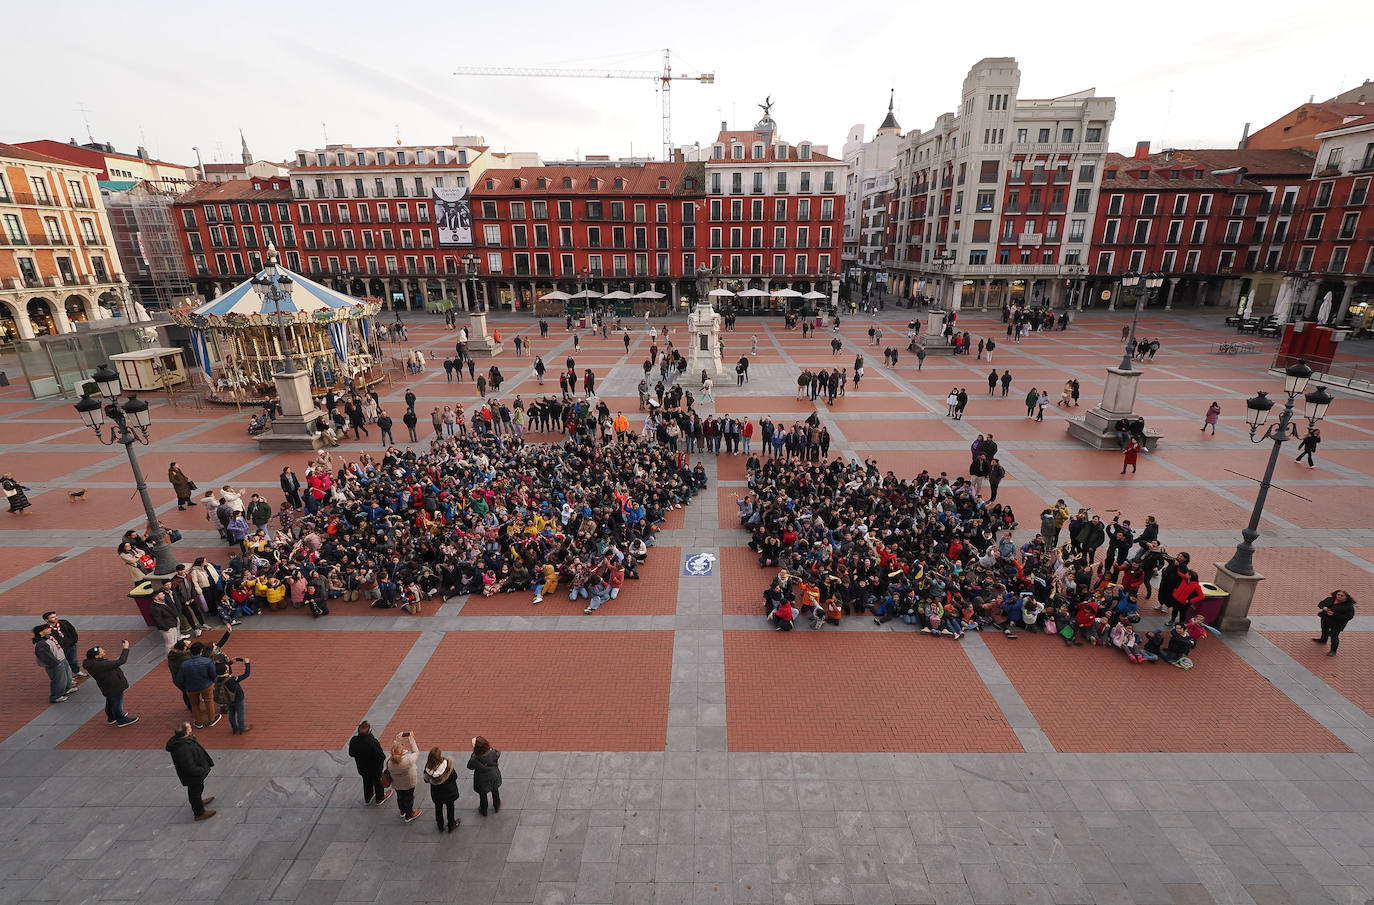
{"x":452,"y":216}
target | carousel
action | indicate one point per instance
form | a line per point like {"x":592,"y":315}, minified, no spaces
{"x":237,"y":337}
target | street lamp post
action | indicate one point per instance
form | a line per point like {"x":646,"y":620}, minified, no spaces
{"x":275,"y":287}
{"x":1075,"y":274}
{"x":470,"y":264}
{"x":130,"y":426}
{"x":1237,"y":576}
{"x":1141,"y":287}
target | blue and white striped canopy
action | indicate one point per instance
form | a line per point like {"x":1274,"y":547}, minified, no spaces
{"x":304,"y":296}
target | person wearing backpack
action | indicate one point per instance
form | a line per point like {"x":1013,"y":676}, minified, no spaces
{"x":228,"y":693}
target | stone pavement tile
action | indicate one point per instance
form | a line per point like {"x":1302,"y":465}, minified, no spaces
{"x":560,"y":701}
{"x":1273,"y":724}
{"x":742,"y":580}
{"x":519,"y":882}
{"x":595,"y":883}
{"x":1341,"y":672}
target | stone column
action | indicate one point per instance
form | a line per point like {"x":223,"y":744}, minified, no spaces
{"x":1235,"y":615}
{"x":22,"y":324}
{"x":1116,"y":291}
{"x":1345,"y":301}
{"x":1097,"y":427}
{"x":424,"y":293}
{"x":1169,"y":293}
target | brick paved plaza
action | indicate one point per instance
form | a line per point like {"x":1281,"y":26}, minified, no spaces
{"x":672,"y":748}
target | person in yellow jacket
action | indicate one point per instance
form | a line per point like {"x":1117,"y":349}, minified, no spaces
{"x":272,"y":591}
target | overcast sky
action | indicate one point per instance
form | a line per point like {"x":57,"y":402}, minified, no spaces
{"x":173,"y":75}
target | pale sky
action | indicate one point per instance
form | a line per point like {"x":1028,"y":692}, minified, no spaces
{"x":172,"y":75}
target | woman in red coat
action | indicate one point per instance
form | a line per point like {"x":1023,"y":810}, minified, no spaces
{"x":1186,"y":594}
{"x":1132,"y":452}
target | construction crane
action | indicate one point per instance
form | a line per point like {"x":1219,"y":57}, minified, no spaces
{"x":664,"y":78}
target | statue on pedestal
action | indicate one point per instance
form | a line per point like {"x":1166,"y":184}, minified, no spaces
{"x":703,"y":325}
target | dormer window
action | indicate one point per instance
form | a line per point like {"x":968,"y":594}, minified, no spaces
{"x":619,"y":183}
{"x":804,"y":150}
{"x":737,"y":151}
{"x":663,"y":184}
{"x":257,"y":186}
{"x":543,"y":183}
{"x":718,"y":152}
{"x":1110,"y":173}
{"x":780,"y":152}
{"x":567,"y":182}
{"x":517,"y":182}
{"x":596,"y":183}
{"x":758,"y":151}
{"x":491,"y":184}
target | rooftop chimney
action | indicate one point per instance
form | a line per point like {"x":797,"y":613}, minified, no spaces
{"x":1244,"y":137}
{"x":724,"y":126}
{"x":142,"y":153}
{"x":1142,"y":150}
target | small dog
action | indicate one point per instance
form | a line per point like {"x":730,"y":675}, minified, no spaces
{"x":77,"y":496}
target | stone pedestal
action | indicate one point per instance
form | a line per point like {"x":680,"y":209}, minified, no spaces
{"x":703,"y":328}
{"x":1235,"y":616}
{"x":480,"y":342}
{"x":1097,"y":427}
{"x":933,"y":337}
{"x":293,"y":427}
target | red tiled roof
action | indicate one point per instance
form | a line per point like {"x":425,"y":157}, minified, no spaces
{"x":638,"y":180}
{"x":1192,"y":175}
{"x":237,"y":190}
{"x":1258,"y":162}
{"x":749,"y":136}
{"x":1365,"y":120}
{"x":21,"y":153}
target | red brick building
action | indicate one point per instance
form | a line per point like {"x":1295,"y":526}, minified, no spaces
{"x":1302,"y":126}
{"x":225,"y":228}
{"x":1162,"y":213}
{"x":1331,"y":249}
{"x":775,"y":213}
{"x":628,"y":227}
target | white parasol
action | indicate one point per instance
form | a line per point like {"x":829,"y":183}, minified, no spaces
{"x":720,"y":292}
{"x":1324,"y":312}
{"x":555,"y":296}
{"x":586,"y":294}
{"x":752,"y":293}
{"x":787,"y":293}
{"x":813,"y":294}
{"x":649,"y":294}
{"x":618,"y":294}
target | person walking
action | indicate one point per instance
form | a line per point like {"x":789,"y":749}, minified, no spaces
{"x":401,"y":765}
{"x":385,"y":424}
{"x":48,"y":652}
{"x":992,"y":381}
{"x":443,"y":788}
{"x":1335,"y":613}
{"x":486,"y":774}
{"x":1130,"y":454}
{"x":370,"y":760}
{"x":1308,"y":446}
{"x":409,"y":419}
{"x":64,"y":633}
{"x":992,"y":344}
{"x":110,"y":679}
{"x":962,"y":403}
{"x":181,"y":484}
{"x":193,"y":764}
{"x":196,"y":677}
{"x":1210,"y":419}
{"x":1040,"y":403}
{"x":14,"y":494}
{"x":995,"y":475}
{"x":1006,"y":382}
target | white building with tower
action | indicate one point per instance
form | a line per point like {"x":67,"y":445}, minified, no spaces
{"x":868,"y":181}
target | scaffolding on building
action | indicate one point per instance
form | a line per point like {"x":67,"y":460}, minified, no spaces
{"x":149,"y":246}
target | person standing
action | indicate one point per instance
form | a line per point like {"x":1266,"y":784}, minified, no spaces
{"x":1006,"y":381}
{"x":995,"y":475}
{"x":291,"y":486}
{"x":486,"y":774}
{"x":48,"y":652}
{"x":181,"y":484}
{"x":110,"y":679}
{"x":64,"y":633}
{"x":193,"y":764}
{"x":1335,"y":613}
{"x":992,"y":381}
{"x":1188,"y":592}
{"x":409,"y":419}
{"x":1040,"y":404}
{"x":370,"y":760}
{"x":14,"y":494}
{"x":1210,"y":419}
{"x":229,"y":694}
{"x":1308,"y":446}
{"x":166,"y":619}
{"x":443,"y":788}
{"x":1032,"y":397}
{"x":962,"y":403}
{"x":384,"y":425}
{"x":1130,"y":454}
{"x":401,"y":765}
{"x":197,"y":678}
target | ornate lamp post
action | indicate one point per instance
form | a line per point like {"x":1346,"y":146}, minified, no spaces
{"x":1238,"y":575}
{"x":130,"y":426}
{"x":275,"y":287}
{"x":470,"y":264}
{"x":1141,"y":287}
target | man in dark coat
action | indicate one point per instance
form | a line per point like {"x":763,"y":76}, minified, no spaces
{"x":291,"y":487}
{"x":109,"y":676}
{"x":193,"y":763}
{"x":367,"y":754}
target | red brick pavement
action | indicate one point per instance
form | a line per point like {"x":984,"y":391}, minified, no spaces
{"x":21,"y":559}
{"x":29,"y":431}
{"x":543,"y":691}
{"x":727,"y":511}
{"x":654,"y":594}
{"x":742,"y":581}
{"x":1090,"y":699}
{"x":308,"y":691}
{"x":24,"y":684}
{"x":1347,"y":672}
{"x":822,"y":691}
{"x":92,"y":582}
{"x":897,"y":428}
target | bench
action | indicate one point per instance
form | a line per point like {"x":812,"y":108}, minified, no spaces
{"x":1235,"y":348}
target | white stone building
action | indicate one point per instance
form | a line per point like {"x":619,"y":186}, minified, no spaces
{"x":868,"y":179}
{"x":995,"y":202}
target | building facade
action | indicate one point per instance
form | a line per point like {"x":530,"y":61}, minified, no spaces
{"x":1162,"y":214}
{"x":365,"y":221}
{"x":1332,"y":248}
{"x":57,"y":260}
{"x":997,"y":203}
{"x":225,"y":229}
{"x":774,"y":213}
{"x":867,"y":184}
{"x":626,"y":227}
{"x":115,"y":167}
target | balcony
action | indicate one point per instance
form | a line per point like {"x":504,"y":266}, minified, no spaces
{"x":81,"y":202}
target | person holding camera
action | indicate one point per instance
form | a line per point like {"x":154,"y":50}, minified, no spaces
{"x":228,"y":693}
{"x":110,"y":679}
{"x":401,"y":766}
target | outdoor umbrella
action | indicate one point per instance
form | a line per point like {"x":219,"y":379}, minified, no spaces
{"x":813,"y":294}
{"x":787,"y":293}
{"x":618,"y":294}
{"x":555,"y":296}
{"x":752,"y":293}
{"x":586,"y":294}
{"x":1324,"y":312}
{"x":648,"y":294}
{"x":720,"y":292}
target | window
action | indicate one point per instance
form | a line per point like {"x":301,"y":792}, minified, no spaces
{"x":1087,"y":172}
{"x":1114,"y":204}
{"x":1238,"y":206}
{"x":1314,"y":226}
{"x":1338,"y":259}
{"x":1004,"y":256}
{"x":1021,"y":136}
{"x":493,"y":262}
{"x":1082,"y":201}
{"x":188,"y":218}
{"x":1191,"y":265}
{"x":1044,"y":136}
{"x":539,"y":210}
{"x":1142,"y":232}
{"x":1104,"y":261}
{"x":1324,"y":194}
{"x":1348,"y":224}
{"x":517,"y":210}
{"x":1167,"y":262}
{"x":737,"y":151}
{"x":1333,"y":158}
{"x":804,"y":209}
{"x":594,"y":210}
{"x":1093,"y":133}
{"x":737,"y":209}
{"x":978,"y":257}
{"x":1109,"y":233}
{"x":1017,"y":171}
{"x":779,"y":237}
{"x":1180,"y":205}
{"x":1232,"y":232}
{"x":1175,"y":232}
{"x":988,"y":171}
{"x":491,"y":234}
{"x":1199,"y":232}
{"x":985,"y":201}
{"x":1137,"y":261}
{"x":1148,"y":204}
{"x":1359,"y":190}
{"x":756,"y":209}
{"x":1066,"y":135}
{"x":1076,"y":230}
{"x":1204,"y":205}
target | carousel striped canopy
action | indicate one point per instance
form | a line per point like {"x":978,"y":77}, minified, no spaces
{"x":304,"y":295}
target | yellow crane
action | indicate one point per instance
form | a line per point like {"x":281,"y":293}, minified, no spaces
{"x":664,"y":78}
